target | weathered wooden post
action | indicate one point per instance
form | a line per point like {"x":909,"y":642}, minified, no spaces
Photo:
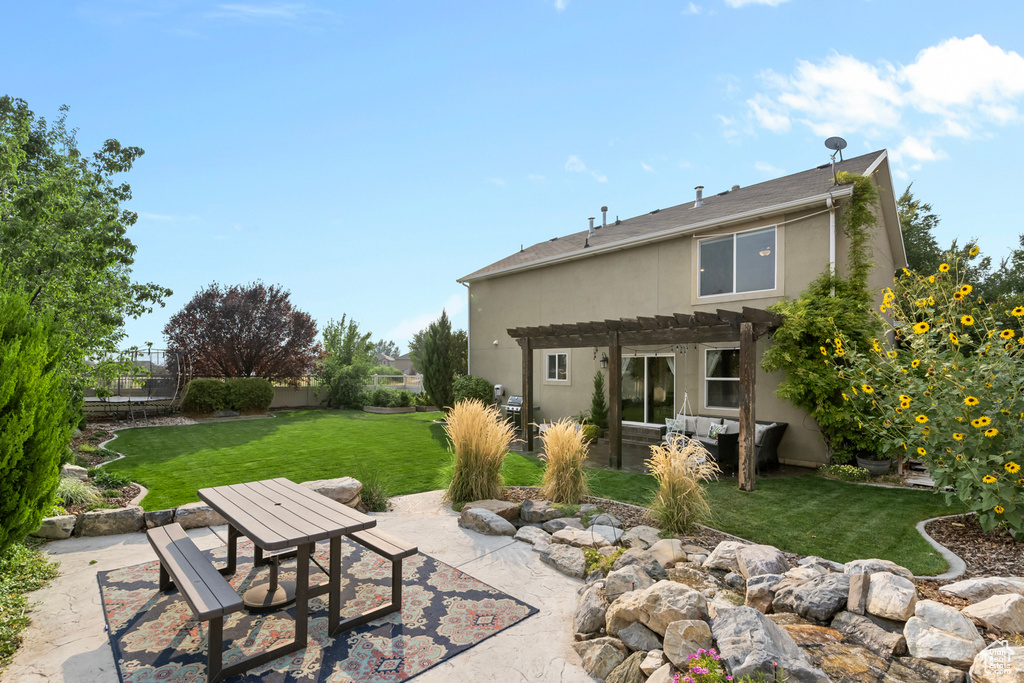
{"x":748,"y":376}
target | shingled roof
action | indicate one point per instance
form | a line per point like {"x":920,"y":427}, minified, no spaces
{"x":788,"y":193}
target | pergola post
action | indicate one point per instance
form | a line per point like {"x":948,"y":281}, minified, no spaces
{"x":527,"y":410}
{"x":747,"y":381}
{"x":614,"y":401}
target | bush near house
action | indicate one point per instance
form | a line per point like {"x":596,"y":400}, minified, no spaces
{"x":384,"y":397}
{"x":470,"y":387}
{"x":247,"y":395}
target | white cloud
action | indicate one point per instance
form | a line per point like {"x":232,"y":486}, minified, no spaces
{"x":560,"y":5}
{"x":646,"y":167}
{"x":576,"y":165}
{"x":741,"y":3}
{"x":691,"y":8}
{"x":535,"y":178}
{"x":281,"y":11}
{"x":496,"y":181}
{"x":956,"y":88}
{"x":768,"y":169}
{"x":404,"y":331}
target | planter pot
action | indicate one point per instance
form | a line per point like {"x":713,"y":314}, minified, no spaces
{"x":875,"y":468}
{"x":388,"y":411}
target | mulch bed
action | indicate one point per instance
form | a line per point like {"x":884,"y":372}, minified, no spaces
{"x":127,"y":493}
{"x":986,"y":554}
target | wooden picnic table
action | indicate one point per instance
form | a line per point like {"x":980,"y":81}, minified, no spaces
{"x":278,"y":514}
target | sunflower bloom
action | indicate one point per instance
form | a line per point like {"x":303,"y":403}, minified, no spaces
{"x":998,"y":509}
{"x":973,"y":251}
{"x":1012,"y":467}
{"x":1006,"y":334}
{"x":867,"y":388}
{"x":921,"y":451}
{"x":958,"y":296}
{"x":914,"y":363}
{"x":931,"y":279}
{"x":989,"y":479}
{"x":983,"y":421}
{"x":958,"y":436}
{"x":991,"y":431}
{"x":971,"y":401}
{"x":921,"y":418}
{"x":966,"y":289}
{"x":1018,"y":312}
{"x":891,"y":354}
{"x":953,"y":338}
{"x":824,"y":351}
{"x":943,"y":267}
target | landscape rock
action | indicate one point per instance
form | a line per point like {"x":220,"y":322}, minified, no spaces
{"x":155,"y":518}
{"x":723,"y":600}
{"x":109,"y":522}
{"x":566,"y":559}
{"x":875,"y":565}
{"x":685,"y":637}
{"x":695,"y":578}
{"x":976,"y":590}
{"x":601,"y":655}
{"x":641,"y":536}
{"x":502,"y":508}
{"x":754,"y":560}
{"x":815,"y":561}
{"x":656,"y":607}
{"x":734,"y":580}
{"x":603,"y":519}
{"x":539,"y":511}
{"x":639,"y":638}
{"x":227,"y":413}
{"x":195,"y":515}
{"x":344,"y":490}
{"x":579,"y":538}
{"x":554,"y":525}
{"x":627,"y":579}
{"x":56,"y":528}
{"x":761,"y":591}
{"x":857,"y":600}
{"x":654,"y":660}
{"x":612,"y":534}
{"x":643,"y":559}
{"x":485,"y":522}
{"x":812,"y":635}
{"x":749,"y":643}
{"x":862,"y":631}
{"x":74,"y":472}
{"x":891,"y":596}
{"x":662,"y":675}
{"x":591,"y":610}
{"x":668,"y":551}
{"x":629,"y":670}
{"x":999,"y":664}
{"x":849,"y":662}
{"x":724,"y":556}
{"x":817,"y":599}
{"x":998,"y":614}
{"x":930,"y":671}
{"x":940,"y":633}
{"x":532,"y":535}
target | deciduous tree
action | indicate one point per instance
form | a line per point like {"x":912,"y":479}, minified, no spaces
{"x":348,"y":359}
{"x":243,"y":331}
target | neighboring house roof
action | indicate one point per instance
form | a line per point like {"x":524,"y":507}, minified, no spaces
{"x":789,"y":193}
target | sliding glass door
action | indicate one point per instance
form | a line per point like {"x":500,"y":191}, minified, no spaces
{"x":648,"y":388}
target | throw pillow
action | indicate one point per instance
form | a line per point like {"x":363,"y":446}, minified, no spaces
{"x":759,"y":431}
{"x":673,"y":425}
{"x":715,"y":430}
{"x":704,"y":424}
{"x":730,"y":427}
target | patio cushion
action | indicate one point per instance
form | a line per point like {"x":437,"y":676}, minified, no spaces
{"x":673,"y":425}
{"x":704,"y":424}
{"x":759,"y":431}
{"x":689,"y":424}
{"x":730,"y":427}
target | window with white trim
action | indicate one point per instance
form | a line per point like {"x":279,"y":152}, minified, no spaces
{"x":740,"y":262}
{"x":722,"y":378}
{"x":558,"y":367}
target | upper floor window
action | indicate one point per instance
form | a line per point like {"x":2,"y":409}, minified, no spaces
{"x":741,"y":262}
{"x":558,"y":367}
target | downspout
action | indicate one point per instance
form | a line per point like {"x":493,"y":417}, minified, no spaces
{"x":831,"y":238}
{"x":469,"y":345}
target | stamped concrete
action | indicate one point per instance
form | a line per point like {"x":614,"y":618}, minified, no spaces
{"x":67,"y":641}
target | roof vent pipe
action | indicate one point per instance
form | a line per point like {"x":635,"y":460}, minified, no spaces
{"x":604,"y":216}
{"x":591,"y":232}
{"x":700,"y":196}
{"x":735,"y":187}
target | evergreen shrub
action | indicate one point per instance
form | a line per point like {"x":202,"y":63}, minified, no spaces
{"x":249,"y":395}
{"x":470,"y":387}
{"x":204,"y":396}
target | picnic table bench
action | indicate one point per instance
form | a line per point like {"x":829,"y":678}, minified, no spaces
{"x":394,"y":550}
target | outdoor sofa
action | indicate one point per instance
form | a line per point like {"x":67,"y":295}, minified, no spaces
{"x":720,"y":436}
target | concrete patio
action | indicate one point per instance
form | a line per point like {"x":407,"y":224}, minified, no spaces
{"x":67,"y":640}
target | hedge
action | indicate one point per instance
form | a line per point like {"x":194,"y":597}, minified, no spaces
{"x":248,"y":395}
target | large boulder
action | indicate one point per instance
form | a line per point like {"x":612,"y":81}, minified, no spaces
{"x":999,"y":664}
{"x":627,"y":579}
{"x":485,"y":522}
{"x":56,"y":528}
{"x":74,"y":472}
{"x":195,"y":515}
{"x":683,"y":638}
{"x":551,"y":526}
{"x":654,"y":660}
{"x":976,"y":590}
{"x":344,"y":490}
{"x":612,"y":534}
{"x":998,"y":614}
{"x":724,"y":556}
{"x":891,"y":596}
{"x":579,"y":538}
{"x":601,"y":655}
{"x":668,"y":551}
{"x":750,"y":643}
{"x":532,"y":535}
{"x":641,"y":536}
{"x":754,"y":560}
{"x":502,"y":508}
{"x":761,"y":592}
{"x":539,"y":511}
{"x":629,"y":671}
{"x":591,"y":610}
{"x":815,"y":561}
{"x":109,"y":522}
{"x":817,"y":599}
{"x":862,"y":631}
{"x":643,"y":559}
{"x":940,"y":633}
{"x":875,"y":565}
{"x":930,"y":672}
{"x":639,"y":638}
{"x":566,"y":559}
{"x":857,"y":600}
{"x":663,"y":675}
{"x":155,"y":518}
{"x":656,"y":607}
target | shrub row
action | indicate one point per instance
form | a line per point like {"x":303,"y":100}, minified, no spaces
{"x":247,"y":395}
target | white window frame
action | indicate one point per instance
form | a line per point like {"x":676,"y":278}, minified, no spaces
{"x":717,"y":379}
{"x":733,"y":235}
{"x":548,"y":379}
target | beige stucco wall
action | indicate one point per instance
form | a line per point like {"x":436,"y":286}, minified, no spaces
{"x":646,"y":280}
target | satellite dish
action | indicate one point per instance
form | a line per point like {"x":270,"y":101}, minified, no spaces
{"x":836,"y":144}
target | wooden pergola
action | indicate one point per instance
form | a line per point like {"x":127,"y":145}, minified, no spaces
{"x":745,"y":327}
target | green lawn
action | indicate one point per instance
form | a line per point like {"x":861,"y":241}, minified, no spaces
{"x":805,"y":514}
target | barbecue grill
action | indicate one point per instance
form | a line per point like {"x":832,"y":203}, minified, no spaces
{"x":514,"y":411}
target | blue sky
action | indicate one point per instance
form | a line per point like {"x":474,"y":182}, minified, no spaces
{"x":366,"y":155}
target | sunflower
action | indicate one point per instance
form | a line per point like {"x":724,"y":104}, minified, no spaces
{"x":891,"y":354}
{"x":914,"y":363}
{"x":921,"y":328}
{"x":989,"y":479}
{"x":991,"y":431}
{"x":921,"y":451}
{"x":876,"y":346}
{"x":966,"y":289}
{"x":881,"y":308}
{"x":904,"y":404}
{"x":971,"y":401}
{"x":960,"y":457}
{"x":904,"y":398}
{"x":1006,"y":334}
{"x":958,"y":296}
{"x":840,"y":352}
{"x":845,"y":397}
{"x":931,"y":279}
{"x":943,"y":267}
{"x":958,"y":436}
{"x":824,"y":351}
{"x":973,"y":251}
{"x":998,"y":509}
{"x":921,"y":418}
{"x":926,"y":430}
{"x":867,"y":388}
{"x":1012,"y":467}
{"x":953,"y":338}
{"x":969,"y":319}
{"x":1018,"y":312}
{"x":983,"y":421}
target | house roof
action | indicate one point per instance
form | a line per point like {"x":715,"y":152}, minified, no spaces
{"x":788,"y":193}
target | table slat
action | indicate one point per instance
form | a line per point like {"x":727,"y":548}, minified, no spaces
{"x":321,"y":506}
{"x":247,"y":519}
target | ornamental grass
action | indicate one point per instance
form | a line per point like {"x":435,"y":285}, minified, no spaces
{"x":565,"y":450}
{"x":480,"y":438}
{"x":679,"y":468}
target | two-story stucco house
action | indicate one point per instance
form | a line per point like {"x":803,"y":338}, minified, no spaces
{"x":747,"y":246}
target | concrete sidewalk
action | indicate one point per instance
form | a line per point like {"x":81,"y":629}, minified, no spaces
{"x":67,"y":641}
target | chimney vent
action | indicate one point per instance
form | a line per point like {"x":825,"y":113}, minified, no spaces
{"x":700,"y":196}
{"x":591,"y":231}
{"x":735,"y":187}
{"x":604,"y":216}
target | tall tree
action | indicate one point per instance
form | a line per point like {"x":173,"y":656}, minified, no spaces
{"x":344,"y":370}
{"x":918,"y":223}
{"x":63,"y":231}
{"x":387,"y":347}
{"x":459,"y":351}
{"x":438,"y":372}
{"x":243,"y":331}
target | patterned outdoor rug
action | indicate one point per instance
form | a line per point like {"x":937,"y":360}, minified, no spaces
{"x":444,"y":612}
